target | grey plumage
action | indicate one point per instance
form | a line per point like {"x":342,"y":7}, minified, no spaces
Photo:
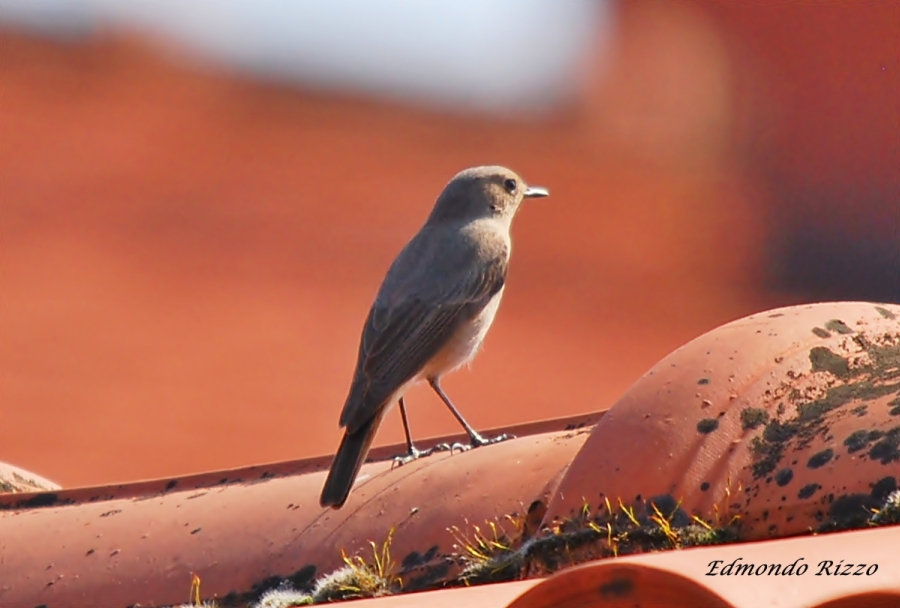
{"x":431,"y":313}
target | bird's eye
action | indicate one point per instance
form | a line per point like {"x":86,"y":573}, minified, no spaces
{"x":510,"y":185}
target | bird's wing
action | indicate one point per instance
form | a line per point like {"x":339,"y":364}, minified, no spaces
{"x":408,"y":327}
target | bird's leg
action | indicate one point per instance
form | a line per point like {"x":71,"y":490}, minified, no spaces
{"x":412,"y":452}
{"x":474,"y":436}
{"x":410,"y":448}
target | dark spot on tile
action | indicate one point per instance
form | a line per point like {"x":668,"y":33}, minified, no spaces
{"x":808,"y":490}
{"x":89,"y":552}
{"x":266,"y":584}
{"x":895,"y":411}
{"x":703,"y":381}
{"x":860,"y":440}
{"x":768,"y":449}
{"x":826,"y":360}
{"x":431,"y":553}
{"x":860,"y":410}
{"x":820,"y":458}
{"x":775,"y":315}
{"x":414,"y":558}
{"x":752,"y":417}
{"x":617,"y":588}
{"x":704,"y":486}
{"x":266,"y":475}
{"x":537,"y":508}
{"x":434,"y":574}
{"x":531,"y":523}
{"x":171,"y":484}
{"x":303,"y":578}
{"x":195,"y":530}
{"x":784,"y":477}
{"x":44,"y":499}
{"x":814,"y":411}
{"x":707,"y":425}
{"x":885,"y":451}
{"x":838,"y":326}
{"x":671,"y":508}
{"x":821,"y":332}
{"x":882,"y":488}
{"x":884,"y":312}
{"x":110,"y":513}
{"x":779,"y":432}
{"x":850,"y":511}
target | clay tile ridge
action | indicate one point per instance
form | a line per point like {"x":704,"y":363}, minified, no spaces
{"x":246,"y":530}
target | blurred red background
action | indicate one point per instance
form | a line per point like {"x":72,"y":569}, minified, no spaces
{"x":187,"y":255}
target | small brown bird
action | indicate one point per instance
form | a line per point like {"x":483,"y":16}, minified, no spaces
{"x":431,"y":313}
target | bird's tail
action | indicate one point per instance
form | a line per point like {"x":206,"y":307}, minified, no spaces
{"x":347,"y":461}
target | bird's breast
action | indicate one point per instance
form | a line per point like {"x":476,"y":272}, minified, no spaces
{"x":463,"y":345}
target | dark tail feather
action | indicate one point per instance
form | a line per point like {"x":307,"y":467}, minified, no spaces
{"x":347,"y":461}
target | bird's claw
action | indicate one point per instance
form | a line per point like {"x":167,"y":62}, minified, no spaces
{"x":499,"y":438}
{"x":478,"y":440}
{"x":399,"y":461}
{"x":415,"y":453}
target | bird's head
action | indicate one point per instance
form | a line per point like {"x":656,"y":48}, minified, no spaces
{"x":483,"y":192}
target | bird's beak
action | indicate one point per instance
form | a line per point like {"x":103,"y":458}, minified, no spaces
{"x":535,"y":192}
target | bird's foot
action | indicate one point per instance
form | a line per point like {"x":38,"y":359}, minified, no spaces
{"x":479,"y":440}
{"x":460,"y":447}
{"x":415,"y":453}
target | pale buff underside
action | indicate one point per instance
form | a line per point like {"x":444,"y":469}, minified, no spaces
{"x":459,"y":350}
